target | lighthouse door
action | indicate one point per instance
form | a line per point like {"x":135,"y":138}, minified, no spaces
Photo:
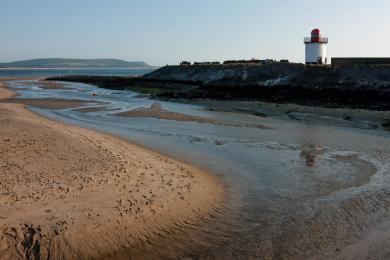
{"x":319,"y":60}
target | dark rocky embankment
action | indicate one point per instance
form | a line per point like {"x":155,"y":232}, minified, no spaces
{"x":336,"y":86}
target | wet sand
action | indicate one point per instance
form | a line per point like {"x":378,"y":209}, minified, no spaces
{"x":365,"y":118}
{"x":49,"y":103}
{"x":72,"y":193}
{"x":54,"y":85}
{"x":94,"y":109}
{"x":157,"y":112}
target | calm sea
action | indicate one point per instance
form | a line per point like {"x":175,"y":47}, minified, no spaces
{"x":60,"y":72}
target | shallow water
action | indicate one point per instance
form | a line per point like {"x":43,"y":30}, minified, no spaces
{"x":295,"y":190}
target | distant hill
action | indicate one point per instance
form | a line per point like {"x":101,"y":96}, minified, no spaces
{"x":75,"y":63}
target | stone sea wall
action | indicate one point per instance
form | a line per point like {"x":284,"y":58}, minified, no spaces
{"x":365,"y":86}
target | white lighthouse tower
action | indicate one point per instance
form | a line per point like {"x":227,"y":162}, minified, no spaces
{"x":315,"y":48}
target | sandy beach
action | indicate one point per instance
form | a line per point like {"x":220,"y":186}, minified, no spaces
{"x":72,"y":193}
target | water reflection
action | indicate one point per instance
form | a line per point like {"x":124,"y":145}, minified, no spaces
{"x":311,"y":150}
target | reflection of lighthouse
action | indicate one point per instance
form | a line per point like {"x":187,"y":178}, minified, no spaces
{"x":315,"y":47}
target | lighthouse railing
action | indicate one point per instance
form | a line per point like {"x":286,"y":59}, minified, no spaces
{"x":316,"y":39}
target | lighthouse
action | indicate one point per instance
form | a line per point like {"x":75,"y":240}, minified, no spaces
{"x":315,"y":48}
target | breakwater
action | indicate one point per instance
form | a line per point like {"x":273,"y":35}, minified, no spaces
{"x":365,"y":86}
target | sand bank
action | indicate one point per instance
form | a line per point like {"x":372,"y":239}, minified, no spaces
{"x":54,"y":85}
{"x":156,"y":111}
{"x":72,"y":193}
{"x":94,"y":109}
{"x":50,"y":103}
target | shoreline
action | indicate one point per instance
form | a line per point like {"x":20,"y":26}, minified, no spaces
{"x":336,"y":151}
{"x":112,"y":189}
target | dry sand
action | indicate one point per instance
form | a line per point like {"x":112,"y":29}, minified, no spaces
{"x":72,"y":193}
{"x":156,"y":111}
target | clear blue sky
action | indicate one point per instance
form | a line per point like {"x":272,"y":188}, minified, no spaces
{"x":166,"y":31}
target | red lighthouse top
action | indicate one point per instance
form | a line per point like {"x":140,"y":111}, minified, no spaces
{"x":315,"y":32}
{"x":316,"y":37}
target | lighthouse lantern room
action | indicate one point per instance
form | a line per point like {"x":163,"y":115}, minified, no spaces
{"x":315,"y":48}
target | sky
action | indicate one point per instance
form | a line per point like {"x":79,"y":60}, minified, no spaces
{"x":162,"y":32}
